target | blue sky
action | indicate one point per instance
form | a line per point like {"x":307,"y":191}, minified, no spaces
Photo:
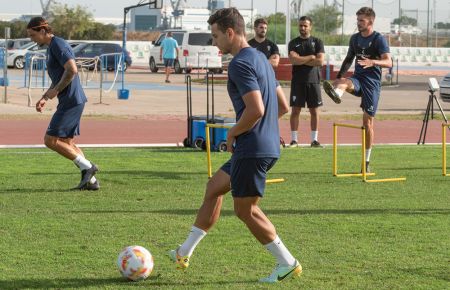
{"x":114,"y":8}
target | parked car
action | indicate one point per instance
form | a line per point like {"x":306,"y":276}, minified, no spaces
{"x":196,"y":51}
{"x":445,"y":88}
{"x":74,"y":44}
{"x":15,"y":43}
{"x":94,"y":49}
{"x":16,"y":57}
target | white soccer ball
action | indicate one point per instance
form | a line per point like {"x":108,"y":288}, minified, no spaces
{"x":135,"y":263}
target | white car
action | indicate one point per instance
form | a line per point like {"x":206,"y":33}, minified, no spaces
{"x":445,"y":88}
{"x":16,"y":57}
{"x":195,"y":52}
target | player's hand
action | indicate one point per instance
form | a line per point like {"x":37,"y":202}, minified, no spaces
{"x":40,"y":104}
{"x":366,"y":62}
{"x":230,"y":141}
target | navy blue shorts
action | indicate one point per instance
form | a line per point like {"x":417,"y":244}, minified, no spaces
{"x":65,"y":123}
{"x":369,"y":93}
{"x":248,"y":175}
{"x":168,"y":62}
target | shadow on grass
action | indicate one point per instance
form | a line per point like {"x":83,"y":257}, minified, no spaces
{"x":193,"y":212}
{"x":120,"y":283}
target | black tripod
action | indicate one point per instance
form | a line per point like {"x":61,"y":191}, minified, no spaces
{"x":426,"y":117}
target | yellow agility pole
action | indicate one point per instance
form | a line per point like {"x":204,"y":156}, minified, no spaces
{"x":363,"y":173}
{"x":444,"y":149}
{"x":208,"y":151}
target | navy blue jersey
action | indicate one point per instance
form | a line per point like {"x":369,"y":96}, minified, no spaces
{"x":250,"y":71}
{"x":372,"y":47}
{"x":58,"y":53}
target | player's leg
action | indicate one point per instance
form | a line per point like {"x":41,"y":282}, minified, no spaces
{"x":297,"y":101}
{"x":314,"y":101}
{"x":336,"y":89}
{"x":93,"y":183}
{"x":248,"y":182}
{"x":368,"y":123}
{"x":294,"y":120}
{"x":167,"y":69}
{"x":207,"y":216}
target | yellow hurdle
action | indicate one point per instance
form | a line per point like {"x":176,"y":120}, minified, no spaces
{"x":208,"y":151}
{"x":363,"y":173}
{"x":444,"y":149}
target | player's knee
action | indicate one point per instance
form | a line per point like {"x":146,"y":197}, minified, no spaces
{"x":243,"y":212}
{"x":50,"y":141}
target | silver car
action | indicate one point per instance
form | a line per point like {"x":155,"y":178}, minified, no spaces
{"x":445,"y":88}
{"x":16,"y":57}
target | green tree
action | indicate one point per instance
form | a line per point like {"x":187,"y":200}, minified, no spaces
{"x":98,"y":31}
{"x":326,"y":19}
{"x":18,"y":29}
{"x":405,"y":20}
{"x":68,"y":22}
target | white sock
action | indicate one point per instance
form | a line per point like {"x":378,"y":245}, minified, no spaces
{"x":82,"y":162}
{"x":339,"y":92}
{"x":368,"y":151}
{"x":93,"y":180}
{"x":294,"y":136}
{"x":314,"y":135}
{"x":195,"y":236}
{"x":280,"y":252}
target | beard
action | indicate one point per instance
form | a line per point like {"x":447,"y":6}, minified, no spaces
{"x":261,"y":34}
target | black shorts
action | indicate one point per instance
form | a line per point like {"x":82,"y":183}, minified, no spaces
{"x":305,"y":93}
{"x":65,"y":123}
{"x":248,"y":175}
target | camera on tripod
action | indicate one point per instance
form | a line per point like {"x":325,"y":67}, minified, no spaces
{"x":433,"y":85}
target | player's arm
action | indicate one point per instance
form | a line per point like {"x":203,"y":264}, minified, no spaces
{"x":70,"y":70}
{"x":274,"y":60}
{"x":283,"y":106}
{"x":346,"y":64}
{"x":296,"y":59}
{"x":384,"y":61}
{"x":317,"y":61}
{"x":254,"y":110}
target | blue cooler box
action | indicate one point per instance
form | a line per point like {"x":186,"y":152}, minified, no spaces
{"x":220,"y":134}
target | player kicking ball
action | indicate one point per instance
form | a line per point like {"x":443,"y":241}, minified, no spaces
{"x":254,"y":144}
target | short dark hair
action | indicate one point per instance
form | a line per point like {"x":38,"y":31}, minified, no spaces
{"x":306,"y":18}
{"x":38,"y":23}
{"x":366,"y":11}
{"x":228,"y":18}
{"x":259,"y":21}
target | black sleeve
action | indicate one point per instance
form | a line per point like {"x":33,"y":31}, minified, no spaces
{"x":274,"y":49}
{"x":291,"y":46}
{"x":348,"y":61}
{"x":320,"y":48}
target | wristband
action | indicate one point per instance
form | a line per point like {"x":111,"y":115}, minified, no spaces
{"x":45,"y":97}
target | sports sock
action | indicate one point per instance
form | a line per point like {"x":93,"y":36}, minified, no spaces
{"x":294,"y":136}
{"x":82,"y":162}
{"x":195,"y":236}
{"x":339,"y":92}
{"x":368,"y":151}
{"x":280,"y":252}
{"x":314,"y":135}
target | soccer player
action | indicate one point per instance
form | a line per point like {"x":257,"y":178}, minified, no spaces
{"x":66,"y":86}
{"x":253,"y":142}
{"x":372,"y":53}
{"x":306,"y":54}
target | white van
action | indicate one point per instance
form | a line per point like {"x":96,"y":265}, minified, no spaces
{"x":196,"y":52}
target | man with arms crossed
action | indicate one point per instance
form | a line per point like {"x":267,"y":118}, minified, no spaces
{"x":372,"y":53}
{"x":306,"y":54}
{"x":66,"y":86}
{"x":253,"y":142}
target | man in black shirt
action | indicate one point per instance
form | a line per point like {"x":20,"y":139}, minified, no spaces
{"x":306,"y":54}
{"x":270,"y":50}
{"x":261,"y":43}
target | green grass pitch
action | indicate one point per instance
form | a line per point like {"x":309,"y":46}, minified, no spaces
{"x":347,"y":234}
